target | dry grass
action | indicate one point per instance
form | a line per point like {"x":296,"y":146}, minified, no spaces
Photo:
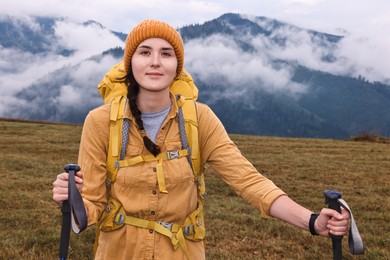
{"x":33,"y":153}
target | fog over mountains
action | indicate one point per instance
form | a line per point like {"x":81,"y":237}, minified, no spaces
{"x":259,"y":75}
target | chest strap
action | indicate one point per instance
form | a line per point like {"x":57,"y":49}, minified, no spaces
{"x":170,"y":155}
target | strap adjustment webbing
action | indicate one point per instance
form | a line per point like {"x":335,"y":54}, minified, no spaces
{"x":169,"y":155}
{"x":171,"y":230}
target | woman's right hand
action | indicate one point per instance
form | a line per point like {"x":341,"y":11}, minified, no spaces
{"x":60,"y":186}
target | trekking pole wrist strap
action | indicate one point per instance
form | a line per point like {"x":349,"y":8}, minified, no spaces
{"x":355,"y":242}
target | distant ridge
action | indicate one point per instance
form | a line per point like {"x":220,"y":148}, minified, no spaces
{"x":29,"y":121}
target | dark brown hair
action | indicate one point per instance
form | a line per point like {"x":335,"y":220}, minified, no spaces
{"x":132,"y":93}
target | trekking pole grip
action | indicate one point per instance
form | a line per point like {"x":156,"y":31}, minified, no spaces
{"x":71,"y":169}
{"x":331,"y":198}
{"x":77,"y":207}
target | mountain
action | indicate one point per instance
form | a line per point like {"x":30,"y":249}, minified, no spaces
{"x":50,"y":66}
{"x":18,"y":34}
{"x":330,"y":106}
{"x":260,"y":76}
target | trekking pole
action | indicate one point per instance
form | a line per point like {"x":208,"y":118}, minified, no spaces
{"x":73,"y":212}
{"x":331,"y":198}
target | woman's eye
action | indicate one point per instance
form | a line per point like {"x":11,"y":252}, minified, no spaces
{"x":167,"y":54}
{"x":145,"y":53}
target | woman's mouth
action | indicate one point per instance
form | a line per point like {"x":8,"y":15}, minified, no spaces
{"x":154,"y":74}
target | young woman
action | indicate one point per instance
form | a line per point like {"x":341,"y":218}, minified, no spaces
{"x":153,"y":59}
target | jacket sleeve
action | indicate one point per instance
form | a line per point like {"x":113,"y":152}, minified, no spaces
{"x":92,"y":161}
{"x":224,"y":157}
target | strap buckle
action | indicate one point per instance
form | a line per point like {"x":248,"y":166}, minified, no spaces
{"x":172,"y":154}
{"x":116,"y":165}
{"x":167,"y":225}
{"x":188,"y":230}
{"x":119,"y":218}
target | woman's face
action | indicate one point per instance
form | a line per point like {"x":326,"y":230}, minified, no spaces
{"x":154,"y":65}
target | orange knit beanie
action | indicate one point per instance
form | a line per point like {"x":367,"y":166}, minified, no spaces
{"x":153,"y":29}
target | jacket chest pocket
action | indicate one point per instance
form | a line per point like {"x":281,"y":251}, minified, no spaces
{"x":178,"y":169}
{"x":131,"y":176}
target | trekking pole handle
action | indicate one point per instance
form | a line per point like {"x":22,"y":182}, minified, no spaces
{"x":72,"y":168}
{"x":331,"y":198}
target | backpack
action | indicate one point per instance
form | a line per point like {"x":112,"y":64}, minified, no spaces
{"x":114,"y":90}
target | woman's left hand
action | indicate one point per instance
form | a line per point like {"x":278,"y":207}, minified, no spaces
{"x":330,"y":221}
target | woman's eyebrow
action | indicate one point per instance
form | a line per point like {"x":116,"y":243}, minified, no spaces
{"x":144,"y":46}
{"x":163,"y":48}
{"x":167,"y":49}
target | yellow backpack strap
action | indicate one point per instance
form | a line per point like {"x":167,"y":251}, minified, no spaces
{"x":194,"y":223}
{"x":115,"y":140}
{"x":117,"y":144}
{"x":170,"y":230}
{"x":190,"y":137}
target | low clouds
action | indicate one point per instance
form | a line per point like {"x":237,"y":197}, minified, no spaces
{"x":365,"y":57}
{"x":86,"y":40}
{"x":218,"y":60}
{"x":81,"y":92}
{"x":62,"y":96}
{"x":19,"y":69}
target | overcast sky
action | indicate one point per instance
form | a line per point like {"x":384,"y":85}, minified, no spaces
{"x":360,"y":16}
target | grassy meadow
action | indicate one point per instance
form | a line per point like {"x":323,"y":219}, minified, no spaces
{"x":32,"y":153}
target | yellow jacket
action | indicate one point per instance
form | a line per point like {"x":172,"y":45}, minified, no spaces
{"x":136,"y":186}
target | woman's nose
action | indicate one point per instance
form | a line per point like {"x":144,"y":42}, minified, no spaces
{"x":155,"y":59}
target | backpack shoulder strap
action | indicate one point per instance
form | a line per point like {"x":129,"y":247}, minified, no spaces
{"x":115,"y":140}
{"x":117,"y":144}
{"x":188,"y":114}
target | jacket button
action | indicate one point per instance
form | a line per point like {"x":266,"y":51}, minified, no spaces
{"x":152,"y":212}
{"x":154,"y":169}
{"x":154,"y":192}
{"x":150,"y":231}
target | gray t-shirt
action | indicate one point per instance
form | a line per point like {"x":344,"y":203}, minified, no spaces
{"x":152,"y":121}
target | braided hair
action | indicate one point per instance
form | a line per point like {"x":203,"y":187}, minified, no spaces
{"x":132,"y":93}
